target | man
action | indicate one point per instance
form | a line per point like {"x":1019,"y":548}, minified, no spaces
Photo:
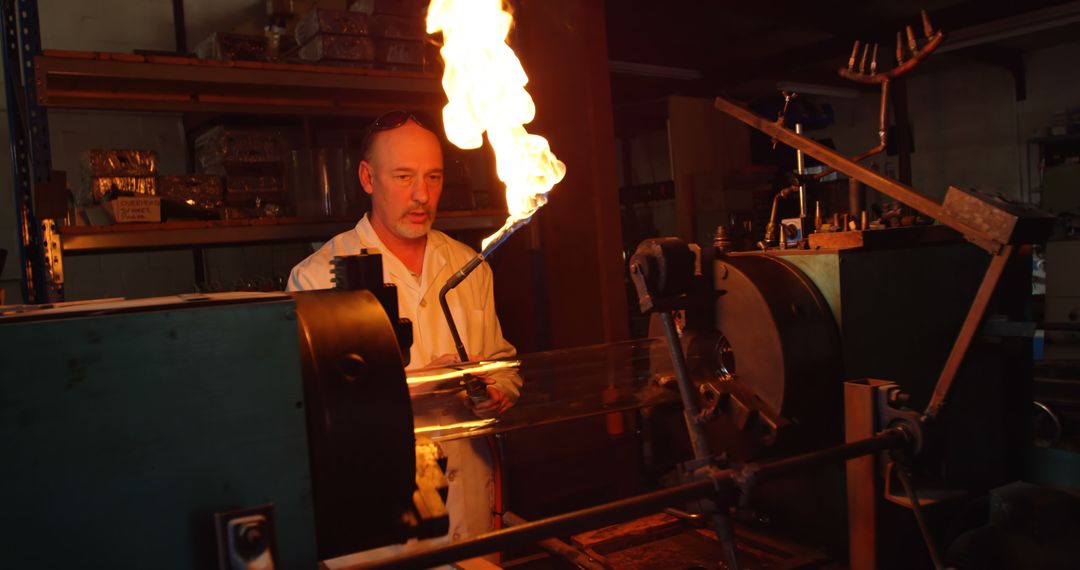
{"x":402,"y":170}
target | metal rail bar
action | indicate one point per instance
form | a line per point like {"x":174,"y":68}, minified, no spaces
{"x":725,"y":530}
{"x":179,"y":26}
{"x":723,"y":487}
{"x":557,"y":547}
{"x":698,"y":442}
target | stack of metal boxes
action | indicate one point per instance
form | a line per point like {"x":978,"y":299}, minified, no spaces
{"x":335,"y":36}
{"x":251,"y":162}
{"x":226,"y":46}
{"x":400,"y":34}
{"x":204,"y":192}
{"x":108,"y":173}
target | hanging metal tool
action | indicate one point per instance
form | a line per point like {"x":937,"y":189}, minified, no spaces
{"x":906,"y":60}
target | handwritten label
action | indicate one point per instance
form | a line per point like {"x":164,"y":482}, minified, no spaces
{"x":137,"y":209}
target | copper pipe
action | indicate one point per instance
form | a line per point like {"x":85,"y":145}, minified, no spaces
{"x":857,"y":158}
{"x":770,"y":229}
{"x":902,"y":66}
{"x":883,"y":113}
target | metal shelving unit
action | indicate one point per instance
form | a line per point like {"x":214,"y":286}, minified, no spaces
{"x":53,"y":79}
{"x":119,"y":81}
{"x":193,"y":233}
{"x":31,"y":164}
{"x":1037,"y":154}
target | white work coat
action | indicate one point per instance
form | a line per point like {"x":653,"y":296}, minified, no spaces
{"x":472,"y":302}
{"x":471,"y":494}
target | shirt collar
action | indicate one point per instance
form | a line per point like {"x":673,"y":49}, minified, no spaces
{"x":435,"y":257}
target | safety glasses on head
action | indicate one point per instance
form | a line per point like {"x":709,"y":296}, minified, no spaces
{"x":396,"y":118}
{"x":392,"y":120}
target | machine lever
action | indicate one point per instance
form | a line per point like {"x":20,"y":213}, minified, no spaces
{"x":662,"y":272}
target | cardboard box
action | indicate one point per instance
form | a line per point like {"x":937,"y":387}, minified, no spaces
{"x":126,"y":209}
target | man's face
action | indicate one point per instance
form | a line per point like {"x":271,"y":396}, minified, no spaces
{"x":404,"y":176}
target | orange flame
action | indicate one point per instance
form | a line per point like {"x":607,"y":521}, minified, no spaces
{"x":485,"y":86}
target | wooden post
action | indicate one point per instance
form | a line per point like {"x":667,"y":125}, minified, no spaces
{"x":563,"y":47}
{"x":863,"y":484}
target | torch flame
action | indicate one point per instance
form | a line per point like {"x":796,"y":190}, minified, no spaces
{"x":485,"y":86}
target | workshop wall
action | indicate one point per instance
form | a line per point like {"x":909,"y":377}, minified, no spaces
{"x":650,"y":159}
{"x":964,"y":124}
{"x":123,"y":25}
{"x":1053,"y":85}
{"x":581,"y":275}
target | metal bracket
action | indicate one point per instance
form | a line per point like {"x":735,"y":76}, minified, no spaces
{"x":662,"y":271}
{"x":891,"y":413}
{"x":725,"y":400}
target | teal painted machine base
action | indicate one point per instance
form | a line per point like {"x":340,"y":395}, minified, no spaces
{"x":125,"y":428}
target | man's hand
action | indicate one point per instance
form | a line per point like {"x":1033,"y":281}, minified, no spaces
{"x":495,"y":405}
{"x":497,"y":402}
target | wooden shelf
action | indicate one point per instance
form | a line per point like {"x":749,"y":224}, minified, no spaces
{"x":126,"y":82}
{"x":189,"y":233}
